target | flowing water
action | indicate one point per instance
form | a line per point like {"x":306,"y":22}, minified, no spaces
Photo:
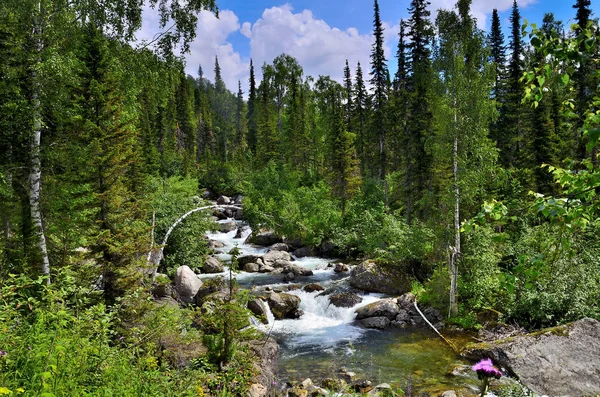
{"x":326,"y":339}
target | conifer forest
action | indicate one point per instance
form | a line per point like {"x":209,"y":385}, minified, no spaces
{"x":463,"y":171}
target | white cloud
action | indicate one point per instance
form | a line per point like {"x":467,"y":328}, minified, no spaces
{"x":480,"y":9}
{"x":319,"y":48}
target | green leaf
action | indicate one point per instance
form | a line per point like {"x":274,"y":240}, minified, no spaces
{"x":565,"y":79}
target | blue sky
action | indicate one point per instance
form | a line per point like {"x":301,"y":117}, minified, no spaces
{"x":321,"y":34}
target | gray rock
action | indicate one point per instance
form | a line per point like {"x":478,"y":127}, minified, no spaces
{"x":208,"y":195}
{"x":251,"y":267}
{"x":280,"y":247}
{"x":449,"y":393}
{"x":264,"y":238}
{"x":345,"y":299}
{"x":242,"y":260}
{"x":223,"y":200}
{"x":313,"y":287}
{"x":371,"y":277}
{"x":327,"y":249}
{"x":212,"y":265}
{"x":187,"y":284}
{"x":227,"y":226}
{"x":304,"y":252}
{"x":266,"y":269}
{"x":384,"y":307}
{"x":406,"y":302}
{"x":214,"y":244}
{"x":297,"y":270}
{"x":289,"y":277}
{"x":281,"y":263}
{"x":238,"y":233}
{"x":270,"y":257}
{"x":219,"y":214}
{"x":340,"y":267}
{"x":283,"y":304}
{"x":400,"y":324}
{"x":238,"y":215}
{"x":228,"y":212}
{"x":403,"y":316}
{"x":267,"y":355}
{"x":257,"y":390}
{"x":259,"y":308}
{"x":560,"y":361}
{"x":376,"y":322}
{"x":237,"y":199}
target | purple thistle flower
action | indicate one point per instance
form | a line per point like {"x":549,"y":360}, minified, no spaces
{"x":3,"y":353}
{"x":485,"y":369}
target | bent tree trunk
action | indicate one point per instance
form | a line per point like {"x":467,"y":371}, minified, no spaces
{"x":35,"y":172}
{"x":156,"y":254}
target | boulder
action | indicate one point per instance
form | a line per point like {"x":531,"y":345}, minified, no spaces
{"x":266,"y":269}
{"x":257,"y":390}
{"x":219,"y":214}
{"x":313,"y":287}
{"x":281,"y":264}
{"x":238,"y":215}
{"x":237,"y":199}
{"x":334,"y":384}
{"x":242,"y":260}
{"x":280,"y":247}
{"x":289,"y":277}
{"x":187,"y":284}
{"x":371,"y":277}
{"x":407,"y":302}
{"x":560,"y":361}
{"x":267,"y":355}
{"x":214,"y":244}
{"x":264,"y":238}
{"x":251,"y":267}
{"x":209,"y":287}
{"x":283,"y":305}
{"x":403,"y":316}
{"x":212,"y":265}
{"x":340,"y":267}
{"x":376,"y":322}
{"x":304,"y":251}
{"x":297,"y":270}
{"x":293,"y":243}
{"x":362,"y":386}
{"x":382,"y":308}
{"x":208,"y":195}
{"x":228,"y":212}
{"x":344,"y":299}
{"x":259,"y":308}
{"x":223,"y":200}
{"x":227,"y":227}
{"x":328,"y":249}
{"x":238,"y":233}
{"x":270,"y":257}
{"x":162,"y":288}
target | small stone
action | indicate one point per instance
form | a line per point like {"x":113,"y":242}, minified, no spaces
{"x":340,"y":267}
{"x":313,"y":287}
{"x":223,"y":200}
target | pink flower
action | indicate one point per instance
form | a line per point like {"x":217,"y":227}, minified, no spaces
{"x":485,"y":368}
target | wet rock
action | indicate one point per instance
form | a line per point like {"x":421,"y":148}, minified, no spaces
{"x":403,"y":316}
{"x":280,"y":247}
{"x":219,"y":214}
{"x":289,"y":277}
{"x":304,"y":252}
{"x":382,"y":308}
{"x":212,"y":265}
{"x":242,"y":260}
{"x":223,"y":200}
{"x":214,"y":244}
{"x":228,"y":212}
{"x":251,"y":267}
{"x":294,"y":244}
{"x":407,"y":302}
{"x":371,"y":277}
{"x":334,"y":384}
{"x":296,"y":314}
{"x":344,"y":299}
{"x":313,"y":287}
{"x":238,"y":214}
{"x":238,"y":233}
{"x":187,"y":284}
{"x":297,"y":270}
{"x":381,"y":390}
{"x":266,"y":269}
{"x":328,"y":249}
{"x":281,"y":263}
{"x":558,"y":361}
{"x":282,"y":304}
{"x":259,"y":308}
{"x":363,"y":386}
{"x":340,"y":267}
{"x":264,"y":238}
{"x":272,"y":256}
{"x":400,"y":324}
{"x":347,"y":375}
{"x":227,"y":227}
{"x":257,"y":390}
{"x":237,"y":199}
{"x":376,"y":322}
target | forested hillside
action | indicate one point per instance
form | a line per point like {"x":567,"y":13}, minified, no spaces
{"x":473,"y":169}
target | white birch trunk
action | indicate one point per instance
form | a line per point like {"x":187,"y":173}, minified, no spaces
{"x":156,"y":255}
{"x":35,"y":172}
{"x":455,"y":252}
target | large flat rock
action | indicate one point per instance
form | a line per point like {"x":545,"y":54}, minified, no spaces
{"x":560,"y":361}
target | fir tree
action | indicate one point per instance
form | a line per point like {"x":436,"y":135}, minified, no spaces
{"x":360,"y":117}
{"x":497,"y":49}
{"x":251,"y":111}
{"x":348,"y":95}
{"x":379,"y":81}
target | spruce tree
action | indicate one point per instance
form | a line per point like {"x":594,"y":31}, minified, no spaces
{"x":348,"y":95}
{"x":497,"y":49}
{"x":251,"y":111}
{"x":240,"y":123}
{"x":360,"y":117}
{"x":417,"y":178}
{"x":379,"y":81}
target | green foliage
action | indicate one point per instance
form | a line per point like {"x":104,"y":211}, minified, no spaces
{"x":171,"y":199}
{"x":56,"y":344}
